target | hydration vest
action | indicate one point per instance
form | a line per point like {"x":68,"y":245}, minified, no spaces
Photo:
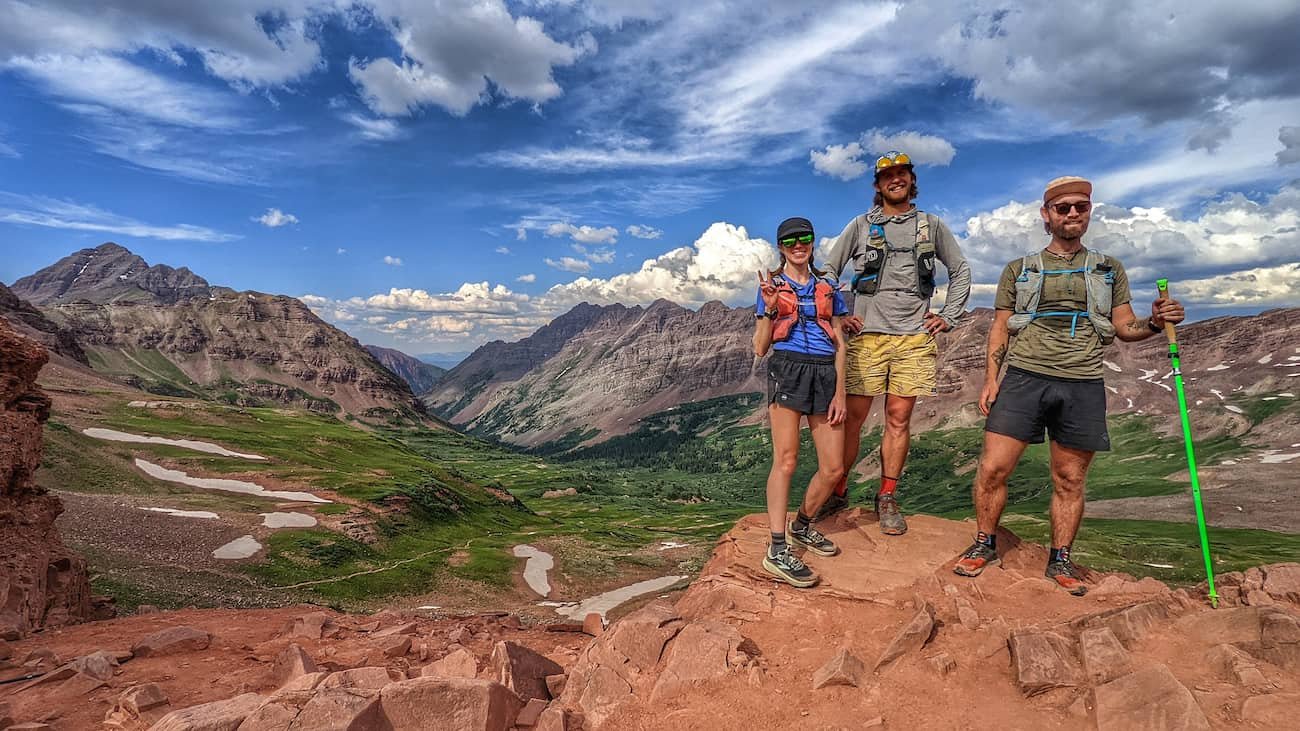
{"x":788,"y":311}
{"x":875,"y":250}
{"x":1098,"y":278}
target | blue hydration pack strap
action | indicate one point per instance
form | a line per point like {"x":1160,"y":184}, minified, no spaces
{"x":1072,"y":314}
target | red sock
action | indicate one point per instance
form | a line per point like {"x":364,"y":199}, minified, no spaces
{"x":842,"y":488}
{"x":888,"y":485}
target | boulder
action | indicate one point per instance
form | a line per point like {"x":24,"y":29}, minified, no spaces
{"x":593,"y":624}
{"x":842,"y":669}
{"x":522,"y":670}
{"x":943,"y":663}
{"x":914,"y":635}
{"x":702,"y":651}
{"x":310,"y":681}
{"x":1282,"y":581}
{"x":140,"y":698}
{"x":1104,"y":658}
{"x":603,"y":692}
{"x":448,"y":704}
{"x":405,"y":628}
{"x":291,"y":663}
{"x":1150,"y":699}
{"x":1042,"y":661}
{"x":278,"y":712}
{"x":310,"y":626}
{"x":396,"y":646}
{"x":1128,"y":624}
{"x":171,"y":641}
{"x":1279,"y":640}
{"x":371,"y":678}
{"x":340,"y":709}
{"x":641,"y":636}
{"x":555,"y":684}
{"x":224,"y":715}
{"x":460,"y":663}
{"x":555,"y":718}
{"x":530,"y":713}
{"x":966,"y":614}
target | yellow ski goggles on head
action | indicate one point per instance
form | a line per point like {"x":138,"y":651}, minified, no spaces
{"x":892,"y":158}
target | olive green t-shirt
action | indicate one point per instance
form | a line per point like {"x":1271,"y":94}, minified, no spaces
{"x":1045,"y":346}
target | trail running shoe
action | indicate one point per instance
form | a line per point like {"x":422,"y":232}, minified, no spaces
{"x":1066,"y":576}
{"x":788,"y":568}
{"x":891,"y":520}
{"x":834,"y":504}
{"x":977,"y":558}
{"x":813,"y":540}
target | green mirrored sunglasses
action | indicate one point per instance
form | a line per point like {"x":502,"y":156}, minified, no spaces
{"x":790,"y":242}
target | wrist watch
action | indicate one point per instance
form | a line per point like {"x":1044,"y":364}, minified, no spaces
{"x":1154,"y":327}
{"x":770,"y":314}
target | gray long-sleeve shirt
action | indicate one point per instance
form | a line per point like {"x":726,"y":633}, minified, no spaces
{"x":897,"y":307}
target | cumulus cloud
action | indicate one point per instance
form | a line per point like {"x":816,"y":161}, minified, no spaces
{"x":1290,"y":139}
{"x":63,"y":214}
{"x":275,"y":218}
{"x":393,"y":261}
{"x":451,"y":49}
{"x":584,"y":234}
{"x":846,"y":161}
{"x":1229,"y":237}
{"x":526,"y":278}
{"x":637,"y":231}
{"x":1277,"y":286}
{"x":600,"y":256}
{"x":569,"y":264}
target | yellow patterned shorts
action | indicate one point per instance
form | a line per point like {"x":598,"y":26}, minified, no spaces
{"x":903,"y":365}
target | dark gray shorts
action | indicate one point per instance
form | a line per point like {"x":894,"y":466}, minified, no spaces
{"x":805,"y":383}
{"x":1072,"y":412}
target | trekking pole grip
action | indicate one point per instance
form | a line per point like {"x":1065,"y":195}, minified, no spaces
{"x":1162,"y":286}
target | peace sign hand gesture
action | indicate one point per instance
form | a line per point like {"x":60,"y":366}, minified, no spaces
{"x":768,"y":288}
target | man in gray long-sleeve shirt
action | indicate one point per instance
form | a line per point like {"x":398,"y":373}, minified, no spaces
{"x":887,"y":256}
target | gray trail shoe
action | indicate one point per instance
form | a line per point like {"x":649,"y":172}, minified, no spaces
{"x":891,"y":520}
{"x":788,"y":568}
{"x":834,"y":504}
{"x":811,"y":538}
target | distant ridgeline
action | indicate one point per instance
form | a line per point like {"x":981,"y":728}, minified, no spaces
{"x":168,"y":332}
{"x":597,"y":372}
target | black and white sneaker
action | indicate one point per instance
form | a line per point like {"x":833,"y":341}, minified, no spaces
{"x":788,"y":568}
{"x":813,"y":540}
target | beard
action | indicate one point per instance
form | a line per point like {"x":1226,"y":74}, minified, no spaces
{"x":1068,"y":231}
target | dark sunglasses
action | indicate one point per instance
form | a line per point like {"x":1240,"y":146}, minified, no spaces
{"x":790,"y":242}
{"x":1063,"y":209}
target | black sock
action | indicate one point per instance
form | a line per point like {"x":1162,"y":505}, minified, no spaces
{"x":777,"y":544}
{"x":987,"y":539}
{"x":1060,"y":554}
{"x":801,"y":521}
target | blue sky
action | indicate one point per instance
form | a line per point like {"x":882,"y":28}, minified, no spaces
{"x":430,"y":175}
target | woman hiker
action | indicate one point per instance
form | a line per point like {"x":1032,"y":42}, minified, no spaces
{"x":799,"y":311}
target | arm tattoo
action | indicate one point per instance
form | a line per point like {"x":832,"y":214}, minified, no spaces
{"x":1139,"y":325}
{"x":999,"y":355}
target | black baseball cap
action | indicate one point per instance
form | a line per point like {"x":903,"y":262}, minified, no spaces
{"x":793,"y":227}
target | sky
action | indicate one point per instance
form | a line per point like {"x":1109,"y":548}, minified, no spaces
{"x":434,"y":174}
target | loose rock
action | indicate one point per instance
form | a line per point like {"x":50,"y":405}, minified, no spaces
{"x":914,"y":635}
{"x":1149,"y":699}
{"x":842,"y":669}
{"x":171,"y":641}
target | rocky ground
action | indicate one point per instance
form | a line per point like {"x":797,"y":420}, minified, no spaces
{"x":890,"y":639}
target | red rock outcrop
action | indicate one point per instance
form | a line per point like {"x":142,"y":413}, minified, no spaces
{"x":42,"y":583}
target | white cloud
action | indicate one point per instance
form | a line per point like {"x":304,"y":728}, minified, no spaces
{"x":637,"y":231}
{"x":720,"y":265}
{"x":275,"y":218}
{"x":846,"y":161}
{"x":584,"y":234}
{"x":526,"y":278}
{"x":8,"y":150}
{"x":503,"y":250}
{"x":62,"y":214}
{"x":341,"y":251}
{"x":1277,"y":286}
{"x":569,"y":264}
{"x":839,"y":161}
{"x":370,"y":128}
{"x":600,"y":256}
{"x":1230,"y":239}
{"x":477,"y":297}
{"x":451,"y":49}
{"x":393,"y":261}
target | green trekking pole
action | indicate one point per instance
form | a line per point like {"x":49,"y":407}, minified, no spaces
{"x":1163,"y":286}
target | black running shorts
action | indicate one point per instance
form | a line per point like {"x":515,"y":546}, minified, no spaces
{"x":805,"y":383}
{"x":1073,"y":412}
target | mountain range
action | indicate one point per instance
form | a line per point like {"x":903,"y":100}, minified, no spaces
{"x":421,"y":376}
{"x":595,"y":371}
{"x":169,"y":332}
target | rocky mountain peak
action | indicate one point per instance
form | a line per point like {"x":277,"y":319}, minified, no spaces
{"x":109,"y":273}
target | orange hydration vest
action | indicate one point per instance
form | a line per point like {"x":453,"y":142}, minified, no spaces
{"x":788,"y":311}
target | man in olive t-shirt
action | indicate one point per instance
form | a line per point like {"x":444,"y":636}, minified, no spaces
{"x":1054,"y":373}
